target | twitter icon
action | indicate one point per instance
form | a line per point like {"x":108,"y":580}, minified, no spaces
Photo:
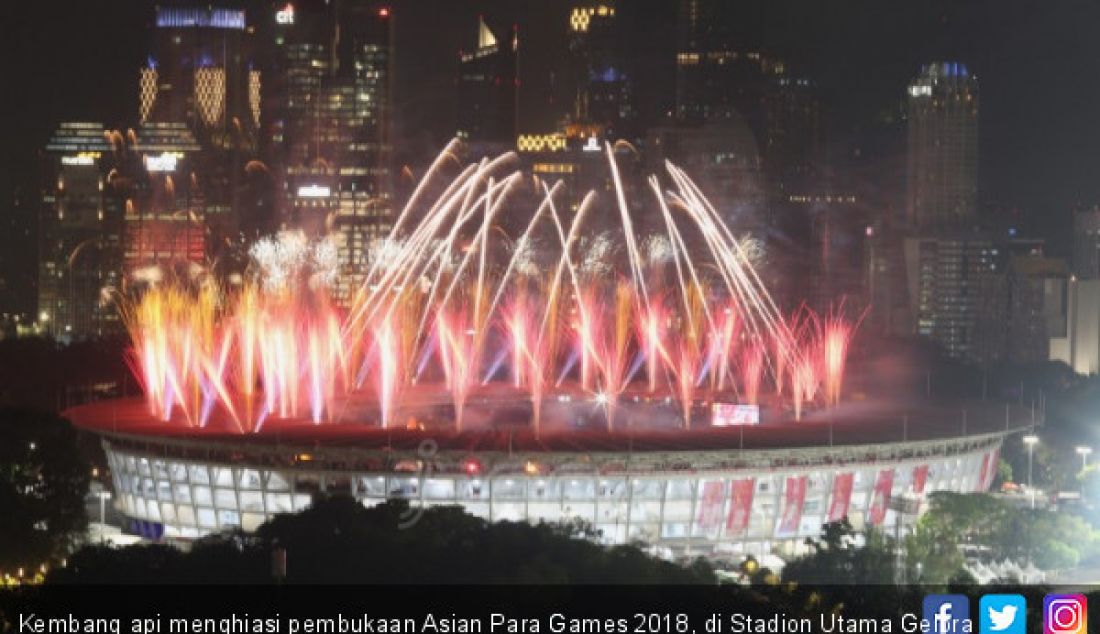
{"x":1003,"y":614}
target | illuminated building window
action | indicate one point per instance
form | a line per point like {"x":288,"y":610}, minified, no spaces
{"x":553,"y":142}
{"x":581,"y":17}
{"x":254,"y":95}
{"x":553,"y":168}
{"x":148,"y":96}
{"x":209,"y":18}
{"x":210,"y":93}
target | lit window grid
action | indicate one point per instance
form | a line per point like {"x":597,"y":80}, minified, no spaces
{"x":210,"y":94}
{"x":254,"y":91}
{"x":148,"y":92}
{"x":192,"y":499}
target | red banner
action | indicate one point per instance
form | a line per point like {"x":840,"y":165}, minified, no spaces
{"x":842,"y":497}
{"x":979,"y":485}
{"x":740,"y":505}
{"x":787,"y":525}
{"x":920,"y":478}
{"x":880,"y":497}
{"x":710,"y":506}
{"x":989,"y":473}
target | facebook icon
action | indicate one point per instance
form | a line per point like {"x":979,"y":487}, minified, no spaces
{"x":946,"y":614}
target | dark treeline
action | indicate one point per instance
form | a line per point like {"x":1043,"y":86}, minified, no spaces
{"x":40,"y":373}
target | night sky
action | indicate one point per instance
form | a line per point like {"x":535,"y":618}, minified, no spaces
{"x":1038,"y":65}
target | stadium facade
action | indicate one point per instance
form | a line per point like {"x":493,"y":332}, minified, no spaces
{"x":720,"y":493}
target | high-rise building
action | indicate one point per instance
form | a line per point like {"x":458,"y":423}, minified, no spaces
{"x":715,"y":72}
{"x":18,"y":267}
{"x":1077,"y":344}
{"x":1036,"y":306}
{"x":942,"y":171}
{"x":722,"y":157}
{"x":80,"y":235}
{"x":700,"y":41}
{"x":330,"y":124}
{"x":780,"y":108}
{"x":189,"y":179}
{"x":202,"y":72}
{"x":957,"y":294}
{"x":488,"y":88}
{"x":602,"y":91}
{"x":164,"y":219}
{"x":1086,"y":243}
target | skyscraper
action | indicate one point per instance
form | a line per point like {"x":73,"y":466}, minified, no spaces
{"x":942,"y":170}
{"x":723,"y":158}
{"x":488,"y":88}
{"x":600,"y":83}
{"x":80,"y":235}
{"x":330,"y":124}
{"x":1086,"y":243}
{"x":698,"y":34}
{"x":957,"y":294}
{"x":716,"y":72}
{"x":201,"y":72}
{"x":164,"y":210}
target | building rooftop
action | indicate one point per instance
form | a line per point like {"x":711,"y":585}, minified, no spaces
{"x":851,"y":425}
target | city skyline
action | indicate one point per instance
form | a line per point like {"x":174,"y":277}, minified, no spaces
{"x":756,"y":294}
{"x":864,"y":132}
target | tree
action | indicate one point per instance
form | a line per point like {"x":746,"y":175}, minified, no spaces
{"x":1004,"y":474}
{"x":847,"y":571}
{"x":843,"y":555}
{"x":43,"y":481}
{"x":337,"y":540}
{"x":994,"y":530}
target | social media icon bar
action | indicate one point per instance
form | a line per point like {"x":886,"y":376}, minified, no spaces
{"x":1002,"y":614}
{"x":1065,"y":614}
{"x":947,"y":613}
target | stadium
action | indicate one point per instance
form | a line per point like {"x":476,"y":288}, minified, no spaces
{"x":715,"y":492}
{"x":525,"y":365}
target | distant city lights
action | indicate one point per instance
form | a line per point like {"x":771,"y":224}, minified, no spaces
{"x":553,"y":142}
{"x":285,"y":15}
{"x":165,"y":162}
{"x":314,"y":191}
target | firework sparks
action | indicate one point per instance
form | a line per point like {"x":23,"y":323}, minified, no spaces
{"x":454,"y":297}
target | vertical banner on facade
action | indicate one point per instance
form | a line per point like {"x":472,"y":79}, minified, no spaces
{"x":920,"y":478}
{"x":989,"y":472}
{"x":981,"y":474}
{"x":842,"y":497}
{"x":740,"y":505}
{"x":710,"y":505}
{"x":787,"y":525}
{"x":880,"y":497}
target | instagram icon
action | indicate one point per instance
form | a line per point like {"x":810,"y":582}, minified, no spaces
{"x":1065,"y":614}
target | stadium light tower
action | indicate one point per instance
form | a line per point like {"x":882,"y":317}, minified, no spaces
{"x":1084,"y":452}
{"x":1030,"y":440}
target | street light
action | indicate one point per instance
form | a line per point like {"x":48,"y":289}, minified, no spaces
{"x":1084,"y":453}
{"x":103,"y":496}
{"x":1030,"y":440}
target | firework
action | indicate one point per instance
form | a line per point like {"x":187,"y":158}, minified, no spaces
{"x":453,"y":299}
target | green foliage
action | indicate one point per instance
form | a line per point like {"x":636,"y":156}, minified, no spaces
{"x":43,"y":481}
{"x":997,"y":530}
{"x":850,"y":572}
{"x":1004,"y":473}
{"x":842,"y":555}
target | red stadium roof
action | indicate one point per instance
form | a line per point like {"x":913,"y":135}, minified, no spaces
{"x":846,"y":426}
